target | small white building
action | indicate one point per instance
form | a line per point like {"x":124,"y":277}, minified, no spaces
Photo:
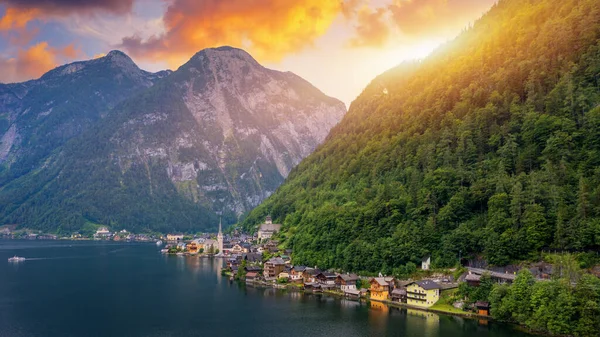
{"x":426,"y":263}
{"x":102,"y":231}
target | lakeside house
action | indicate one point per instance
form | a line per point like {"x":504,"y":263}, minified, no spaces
{"x":174,"y":237}
{"x":309,"y":275}
{"x":399,"y":295}
{"x":380,"y":288}
{"x":483,"y":308}
{"x":252,"y":277}
{"x":266,"y":230}
{"x":326,"y":278}
{"x":102,"y":232}
{"x":352,"y":293}
{"x":210,"y":246}
{"x":273,"y":267}
{"x":346,"y":281}
{"x":193,"y":247}
{"x":422,"y":293}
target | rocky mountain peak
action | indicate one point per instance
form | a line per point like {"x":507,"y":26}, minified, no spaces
{"x":223,"y":58}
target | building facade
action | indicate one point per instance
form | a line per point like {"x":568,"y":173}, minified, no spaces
{"x":266,"y":230}
{"x":422,"y":293}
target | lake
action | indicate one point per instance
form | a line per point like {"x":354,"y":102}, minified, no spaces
{"x":84,"y":288}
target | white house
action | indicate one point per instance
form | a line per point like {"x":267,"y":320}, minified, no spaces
{"x":426,"y":263}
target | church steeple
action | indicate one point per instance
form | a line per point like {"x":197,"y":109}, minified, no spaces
{"x":220,"y":238}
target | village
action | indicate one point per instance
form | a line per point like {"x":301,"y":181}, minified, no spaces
{"x":258,"y":261}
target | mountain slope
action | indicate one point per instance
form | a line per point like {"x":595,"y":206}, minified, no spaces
{"x":38,"y":116}
{"x":217,"y":135}
{"x":489,"y":147}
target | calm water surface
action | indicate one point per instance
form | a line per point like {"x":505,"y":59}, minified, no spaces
{"x":128,"y":289}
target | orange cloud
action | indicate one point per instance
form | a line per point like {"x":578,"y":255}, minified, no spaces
{"x":19,"y":13}
{"x":435,"y":17}
{"x":269,"y":29}
{"x":33,"y":62}
{"x":372,"y":29}
{"x":17,"y":18}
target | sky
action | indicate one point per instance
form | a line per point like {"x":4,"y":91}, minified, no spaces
{"x":337,"y":45}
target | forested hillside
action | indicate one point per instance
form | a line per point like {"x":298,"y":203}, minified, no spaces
{"x":490,"y":146}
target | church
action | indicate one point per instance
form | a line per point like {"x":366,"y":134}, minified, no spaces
{"x":266,"y":230}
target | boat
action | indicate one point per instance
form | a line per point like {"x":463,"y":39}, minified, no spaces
{"x":159,"y":242}
{"x":164,"y":251}
{"x":16,"y":259}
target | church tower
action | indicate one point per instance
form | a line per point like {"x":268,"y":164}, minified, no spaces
{"x":220,"y":238}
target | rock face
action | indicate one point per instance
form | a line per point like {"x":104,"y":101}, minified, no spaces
{"x":220,"y":134}
{"x":38,"y":116}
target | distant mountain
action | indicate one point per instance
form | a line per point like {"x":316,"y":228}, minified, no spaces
{"x":38,"y":116}
{"x":217,"y":135}
{"x":488,"y":148}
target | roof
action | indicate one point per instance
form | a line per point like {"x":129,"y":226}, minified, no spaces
{"x":425,"y":258}
{"x":399,"y":291}
{"x":427,"y":284}
{"x":312,"y":271}
{"x":481,"y":304}
{"x":253,"y":257}
{"x":269,"y":227}
{"x":251,"y":274}
{"x":352,"y":291}
{"x":381,"y":281}
{"x":299,"y":268}
{"x":276,"y":260}
{"x":505,"y":276}
{"x":348,"y":277}
{"x":252,"y":268}
{"x":327,"y":275}
{"x":473,"y":277}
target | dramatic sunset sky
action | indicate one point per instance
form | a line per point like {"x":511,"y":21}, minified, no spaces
{"x":337,"y":45}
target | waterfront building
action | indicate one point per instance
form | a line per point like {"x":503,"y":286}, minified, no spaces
{"x":193,"y":247}
{"x":399,"y":295}
{"x":346,"y":281}
{"x":380,"y":288}
{"x":423,"y":293}
{"x":273,"y":267}
{"x":174,"y":237}
{"x":102,"y":232}
{"x":210,"y":246}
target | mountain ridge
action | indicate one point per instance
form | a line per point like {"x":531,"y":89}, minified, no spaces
{"x":217,"y":135}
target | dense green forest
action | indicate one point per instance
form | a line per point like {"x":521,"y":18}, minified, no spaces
{"x":568,"y":304}
{"x":489,"y":147}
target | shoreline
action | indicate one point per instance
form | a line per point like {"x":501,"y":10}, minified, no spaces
{"x":399,"y":305}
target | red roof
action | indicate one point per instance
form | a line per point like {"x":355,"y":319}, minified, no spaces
{"x":251,"y":274}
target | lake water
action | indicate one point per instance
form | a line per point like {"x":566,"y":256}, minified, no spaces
{"x":81,"y":288}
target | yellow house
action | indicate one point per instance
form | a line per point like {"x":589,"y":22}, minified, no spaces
{"x":193,"y":247}
{"x":174,"y":237}
{"x":422,"y":293}
{"x":380,"y":289}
